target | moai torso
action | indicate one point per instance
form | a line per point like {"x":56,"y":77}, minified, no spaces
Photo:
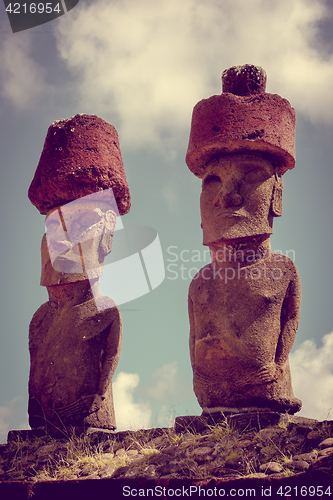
{"x":244,"y":306}
{"x":242,"y":326}
{"x":74,"y":350}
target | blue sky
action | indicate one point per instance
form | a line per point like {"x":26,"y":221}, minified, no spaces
{"x":142,"y":65}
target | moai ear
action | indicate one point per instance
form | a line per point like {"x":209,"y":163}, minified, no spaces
{"x":111,"y":220}
{"x":106,"y":244}
{"x":107,"y":238}
{"x":276,"y":203}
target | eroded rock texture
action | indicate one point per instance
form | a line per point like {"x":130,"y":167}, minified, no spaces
{"x":81,"y":156}
{"x":244,"y":306}
{"x":229,"y":123}
{"x":75,"y":337}
{"x":74,"y":351}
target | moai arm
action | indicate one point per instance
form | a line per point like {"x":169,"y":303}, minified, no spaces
{"x":289,"y":319}
{"x":290,"y":313}
{"x":111,"y":355}
{"x":192,"y":331}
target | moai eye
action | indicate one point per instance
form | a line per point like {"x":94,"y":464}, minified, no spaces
{"x":51,"y":225}
{"x":212,"y":181}
{"x":256,"y":174}
{"x":88,"y":219}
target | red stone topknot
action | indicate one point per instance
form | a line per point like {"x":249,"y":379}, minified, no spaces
{"x":81,"y":156}
{"x":243,"y":118}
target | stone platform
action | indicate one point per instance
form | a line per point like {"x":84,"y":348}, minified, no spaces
{"x":254,"y":419}
{"x":197,"y":455}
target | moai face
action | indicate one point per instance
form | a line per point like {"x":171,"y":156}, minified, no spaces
{"x":79,"y":235}
{"x":240,"y":195}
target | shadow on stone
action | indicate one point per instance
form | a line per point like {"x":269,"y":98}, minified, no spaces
{"x":251,"y":420}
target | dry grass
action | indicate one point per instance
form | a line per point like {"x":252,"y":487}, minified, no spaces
{"x":239,"y":452}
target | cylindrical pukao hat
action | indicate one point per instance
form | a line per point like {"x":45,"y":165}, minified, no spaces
{"x":243,"y":118}
{"x":81,"y":156}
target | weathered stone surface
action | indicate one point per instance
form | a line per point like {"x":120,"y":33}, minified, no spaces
{"x":327,"y":443}
{"x":191,"y":423}
{"x":81,"y":156}
{"x":107,"y":471}
{"x":244,"y":80}
{"x":300,"y":464}
{"x":326,"y":452}
{"x":243,"y":307}
{"x":216,"y":452}
{"x":241,"y":120}
{"x":302,"y":425}
{"x":246,"y":420}
{"x":202,"y":451}
{"x":313,"y":437}
{"x":253,"y":420}
{"x":239,"y":342}
{"x":74,"y":344}
{"x":324,"y":463}
{"x":306,"y":457}
{"x":74,"y":350}
{"x":271,"y":431}
{"x":271,"y":467}
{"x":75,"y":337}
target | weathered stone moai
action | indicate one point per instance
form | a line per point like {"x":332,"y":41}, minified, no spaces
{"x":75,"y":337}
{"x":244,"y":306}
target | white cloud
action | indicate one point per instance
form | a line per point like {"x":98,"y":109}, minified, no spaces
{"x":129,"y":415}
{"x":166,"y":385}
{"x":166,"y":396}
{"x":145,"y":64}
{"x":170,"y":193}
{"x":11,"y":416}
{"x":22,"y":79}
{"x":171,"y":395}
{"x":312,"y":377}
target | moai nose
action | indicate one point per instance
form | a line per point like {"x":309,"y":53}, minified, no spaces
{"x":60,"y":246}
{"x":227,"y":200}
{"x":233,"y":200}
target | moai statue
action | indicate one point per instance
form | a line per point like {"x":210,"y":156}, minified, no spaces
{"x":244,"y":306}
{"x":75,"y":337}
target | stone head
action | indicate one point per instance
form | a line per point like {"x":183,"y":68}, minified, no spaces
{"x":81,"y":187}
{"x":79,"y":236}
{"x":241,"y":143}
{"x":241,"y":193}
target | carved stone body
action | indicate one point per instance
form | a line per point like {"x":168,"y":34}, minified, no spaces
{"x":243,"y":322}
{"x":75,"y":337}
{"x":243,"y":307}
{"x":74,"y":351}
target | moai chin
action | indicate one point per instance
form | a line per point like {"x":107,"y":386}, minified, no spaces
{"x":75,"y":337}
{"x":243,"y":307}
